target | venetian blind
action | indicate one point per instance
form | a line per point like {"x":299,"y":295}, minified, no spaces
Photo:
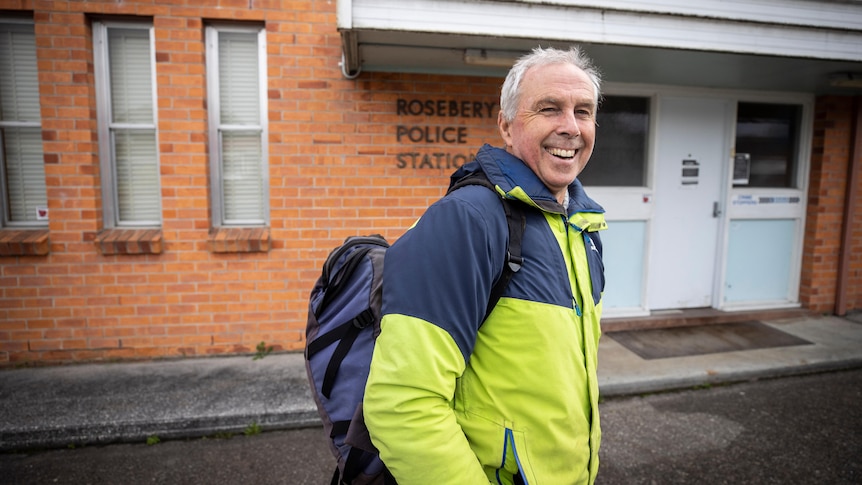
{"x":20,"y":129}
{"x":240,"y":128}
{"x":133,"y":130}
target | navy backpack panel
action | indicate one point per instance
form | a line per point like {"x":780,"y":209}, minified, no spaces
{"x":343,"y":322}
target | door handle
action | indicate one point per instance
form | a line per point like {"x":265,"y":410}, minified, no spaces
{"x":716,"y":210}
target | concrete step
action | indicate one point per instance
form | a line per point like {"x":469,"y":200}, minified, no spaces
{"x":697,"y":316}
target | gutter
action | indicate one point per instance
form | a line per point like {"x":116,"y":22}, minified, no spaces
{"x":351,"y":65}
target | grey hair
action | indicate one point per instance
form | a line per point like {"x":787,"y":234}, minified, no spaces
{"x":511,"y":91}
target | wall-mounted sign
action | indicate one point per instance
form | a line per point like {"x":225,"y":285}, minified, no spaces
{"x":741,"y":168}
{"x":432,"y":160}
{"x":762,"y":200}
{"x":690,"y":174}
{"x":434,"y":134}
{"x":444,"y":108}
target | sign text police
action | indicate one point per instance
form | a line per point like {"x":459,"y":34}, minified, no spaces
{"x":437,"y":134}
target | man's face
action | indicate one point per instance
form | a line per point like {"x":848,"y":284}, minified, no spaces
{"x":554,"y":128}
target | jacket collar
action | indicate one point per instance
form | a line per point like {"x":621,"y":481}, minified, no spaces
{"x":514,"y":178}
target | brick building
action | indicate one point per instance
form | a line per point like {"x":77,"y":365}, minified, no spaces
{"x":176,"y":172}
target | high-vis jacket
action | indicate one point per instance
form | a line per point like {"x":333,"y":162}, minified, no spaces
{"x":453,"y":400}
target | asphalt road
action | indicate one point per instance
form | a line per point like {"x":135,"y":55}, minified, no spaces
{"x":786,"y":431}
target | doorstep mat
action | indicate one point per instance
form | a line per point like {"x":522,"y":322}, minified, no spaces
{"x":662,"y":343}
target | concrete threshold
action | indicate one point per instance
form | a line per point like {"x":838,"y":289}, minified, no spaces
{"x":699,"y":316}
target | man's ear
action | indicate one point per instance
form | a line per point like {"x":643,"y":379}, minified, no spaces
{"x":504,"y":127}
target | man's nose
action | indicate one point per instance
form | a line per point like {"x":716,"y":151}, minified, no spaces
{"x":569,"y":125}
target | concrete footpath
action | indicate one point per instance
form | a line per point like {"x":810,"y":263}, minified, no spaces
{"x":49,"y":407}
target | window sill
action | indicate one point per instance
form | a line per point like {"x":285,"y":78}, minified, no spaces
{"x":239,"y":240}
{"x":24,"y":242}
{"x":129,"y":241}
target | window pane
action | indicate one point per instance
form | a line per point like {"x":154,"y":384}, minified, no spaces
{"x":624,"y":245}
{"x":127,"y":124}
{"x":620,"y":155}
{"x":19,"y":83}
{"x":239,"y":81}
{"x":759,"y":258}
{"x":131,"y":76}
{"x":22,"y":168}
{"x":241,"y":177}
{"x":769,"y":134}
{"x":137,"y":176}
{"x":25,"y":172}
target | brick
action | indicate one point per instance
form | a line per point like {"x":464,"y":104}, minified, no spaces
{"x":827,"y":186}
{"x":129,"y":241}
{"x":15,"y":242}
{"x":239,"y":240}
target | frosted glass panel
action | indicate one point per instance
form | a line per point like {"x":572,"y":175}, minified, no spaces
{"x":623,"y":255}
{"x":759,"y":258}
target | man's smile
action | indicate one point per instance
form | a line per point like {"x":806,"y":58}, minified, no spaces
{"x":561,"y":153}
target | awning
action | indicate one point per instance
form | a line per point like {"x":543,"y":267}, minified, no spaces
{"x":805,"y":46}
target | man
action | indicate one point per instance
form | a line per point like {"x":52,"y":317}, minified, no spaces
{"x":453,"y":400}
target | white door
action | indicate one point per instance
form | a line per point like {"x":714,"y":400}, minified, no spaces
{"x":692,"y":147}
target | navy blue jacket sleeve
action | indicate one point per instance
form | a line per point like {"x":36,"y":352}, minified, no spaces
{"x":442,"y":270}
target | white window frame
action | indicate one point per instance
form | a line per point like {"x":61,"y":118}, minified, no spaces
{"x":106,"y":126}
{"x":6,"y":218}
{"x":216,"y":128}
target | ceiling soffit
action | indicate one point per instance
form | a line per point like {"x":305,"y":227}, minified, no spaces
{"x":742,"y":43}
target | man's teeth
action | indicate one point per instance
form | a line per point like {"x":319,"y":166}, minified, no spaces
{"x":559,"y":152}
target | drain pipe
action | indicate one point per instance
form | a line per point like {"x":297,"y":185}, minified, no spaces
{"x":853,"y":178}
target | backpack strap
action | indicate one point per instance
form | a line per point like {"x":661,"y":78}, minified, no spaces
{"x":332,"y":282}
{"x":352,"y":465}
{"x":516,"y":220}
{"x":352,"y":468}
{"x":346,"y":334}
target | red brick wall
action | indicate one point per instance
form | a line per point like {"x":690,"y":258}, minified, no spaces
{"x":333,"y":173}
{"x":831,"y":151}
{"x":853,"y":293}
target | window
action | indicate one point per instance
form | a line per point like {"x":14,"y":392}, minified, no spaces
{"x":125,"y":90}
{"x":24,"y":201}
{"x":236,"y":89}
{"x":767,"y":145}
{"x":620,"y":155}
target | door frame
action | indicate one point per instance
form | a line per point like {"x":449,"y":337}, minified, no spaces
{"x":630,"y":203}
{"x":732,"y":212}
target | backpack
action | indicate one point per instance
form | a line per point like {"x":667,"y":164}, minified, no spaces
{"x":344,"y":314}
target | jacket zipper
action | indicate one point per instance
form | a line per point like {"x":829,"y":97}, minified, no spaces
{"x":509,"y":440}
{"x":566,"y":225}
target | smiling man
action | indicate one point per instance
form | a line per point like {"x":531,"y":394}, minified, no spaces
{"x":552,"y":125}
{"x":454,"y":397}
